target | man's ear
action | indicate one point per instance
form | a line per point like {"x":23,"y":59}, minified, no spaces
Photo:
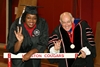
{"x":60,"y":21}
{"x":72,"y":19}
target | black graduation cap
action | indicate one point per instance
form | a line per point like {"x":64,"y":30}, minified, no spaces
{"x":79,"y":62}
{"x":31,"y":9}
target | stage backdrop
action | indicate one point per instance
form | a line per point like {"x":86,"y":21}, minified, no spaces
{"x":2,"y":21}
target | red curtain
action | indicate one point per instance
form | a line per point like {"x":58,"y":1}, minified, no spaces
{"x":52,"y":9}
{"x":2,"y":21}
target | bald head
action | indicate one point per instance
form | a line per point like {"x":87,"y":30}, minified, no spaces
{"x":66,"y":20}
{"x":66,"y":15}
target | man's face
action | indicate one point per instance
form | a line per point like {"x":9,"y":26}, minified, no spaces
{"x":66,"y":23}
{"x":30,"y":20}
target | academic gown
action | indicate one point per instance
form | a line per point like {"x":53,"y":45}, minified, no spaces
{"x":81,"y":38}
{"x":38,"y":40}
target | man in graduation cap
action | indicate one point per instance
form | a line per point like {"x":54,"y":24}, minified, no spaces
{"x":28,"y":34}
{"x":73,"y":37}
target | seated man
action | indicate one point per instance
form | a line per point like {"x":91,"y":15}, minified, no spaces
{"x":71,"y":37}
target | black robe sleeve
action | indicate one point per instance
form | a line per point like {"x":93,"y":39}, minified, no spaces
{"x":43,"y":38}
{"x":88,"y":38}
{"x":53,"y":37}
{"x":88,"y":41}
{"x":11,"y":37}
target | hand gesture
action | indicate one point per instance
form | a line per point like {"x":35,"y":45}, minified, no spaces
{"x":82,"y":55}
{"x":18,"y":34}
{"x":57,"y":44}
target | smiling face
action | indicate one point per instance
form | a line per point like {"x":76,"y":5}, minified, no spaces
{"x":66,"y":21}
{"x":30,"y":20}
